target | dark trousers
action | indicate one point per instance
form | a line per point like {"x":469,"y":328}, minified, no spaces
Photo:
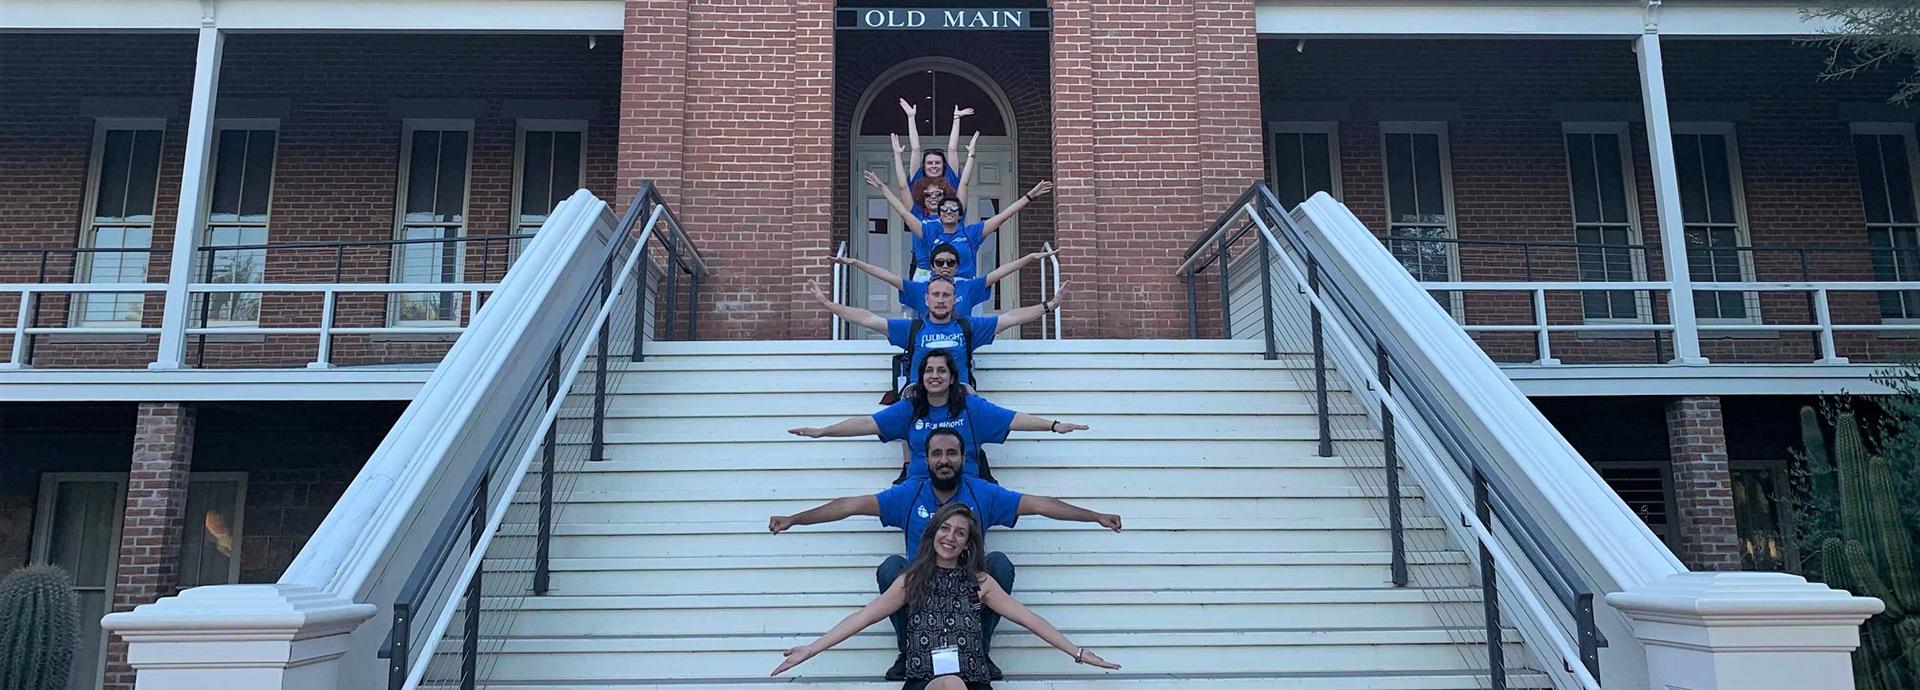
{"x":997,"y":566}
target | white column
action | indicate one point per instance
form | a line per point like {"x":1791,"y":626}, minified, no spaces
{"x":258,"y":637}
{"x":1666,"y":199}
{"x":193,"y":199}
{"x":1745,"y":631}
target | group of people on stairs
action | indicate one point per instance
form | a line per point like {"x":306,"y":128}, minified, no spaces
{"x":946,"y":593}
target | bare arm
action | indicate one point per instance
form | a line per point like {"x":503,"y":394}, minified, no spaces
{"x":1016,"y":264}
{"x":1030,"y":312}
{"x":833,"y":511}
{"x":966,"y":176}
{"x":845,"y":428}
{"x":853,"y":315}
{"x":953,"y":134}
{"x":913,"y":129}
{"x":1013,"y":209}
{"x":880,"y":274}
{"x":1048,"y":506}
{"x":900,"y":171}
{"x":1026,"y":422}
{"x":881,"y":607}
{"x":906,"y":215}
{"x":1003,"y":604}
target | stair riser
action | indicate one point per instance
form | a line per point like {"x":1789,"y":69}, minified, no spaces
{"x":1077,"y":447}
{"x":1008,"y":472}
{"x":991,"y":382}
{"x":1237,"y":427}
{"x":667,"y":582}
{"x":1088,"y":540}
{"x":585,"y":511}
{"x":1049,"y":402}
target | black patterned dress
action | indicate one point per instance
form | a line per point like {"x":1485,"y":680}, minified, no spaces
{"x":946,"y":614}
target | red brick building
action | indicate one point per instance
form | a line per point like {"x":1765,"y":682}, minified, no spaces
{"x":347,"y":157}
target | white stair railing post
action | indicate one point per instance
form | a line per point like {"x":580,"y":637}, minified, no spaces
{"x":1745,"y":631}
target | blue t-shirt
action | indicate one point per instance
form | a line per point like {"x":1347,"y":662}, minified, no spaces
{"x":967,"y":292}
{"x":942,"y":336}
{"x":981,"y":422}
{"x":909,"y":505}
{"x":966,"y":241}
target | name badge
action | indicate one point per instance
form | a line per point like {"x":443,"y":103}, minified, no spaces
{"x":946,"y":661}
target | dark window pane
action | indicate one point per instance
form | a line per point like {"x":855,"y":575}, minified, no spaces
{"x":423,"y":163}
{"x":536,"y":176}
{"x":1426,"y":165}
{"x":116,"y":151}
{"x":1400,"y":195}
{"x":259,"y":180}
{"x":1316,"y":153}
{"x":567,"y":152}
{"x":229,"y":171}
{"x":143,"y":175}
{"x":1290,"y":186}
{"x":1586,"y":192}
{"x":1873,"y":182}
{"x":1719,"y":182}
{"x":1687,"y":164}
{"x":451,"y":199}
{"x":1893,"y":156}
{"x":1757,"y":497}
{"x":935,"y":94}
{"x":1613,"y":180}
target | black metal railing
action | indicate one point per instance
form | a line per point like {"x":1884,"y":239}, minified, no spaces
{"x":1378,"y":359}
{"x":598,"y":312}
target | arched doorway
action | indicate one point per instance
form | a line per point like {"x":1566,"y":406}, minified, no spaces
{"x":937,"y":85}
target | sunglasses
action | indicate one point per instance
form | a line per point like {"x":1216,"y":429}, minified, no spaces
{"x":946,"y":262}
{"x":950,"y":209}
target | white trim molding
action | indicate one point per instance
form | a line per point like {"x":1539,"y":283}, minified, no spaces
{"x":414,"y":16}
{"x":1516,"y":18}
{"x":1745,"y":631}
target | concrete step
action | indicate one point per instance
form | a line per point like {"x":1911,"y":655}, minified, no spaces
{"x":992,"y":382}
{"x":1125,"y":679}
{"x":583,"y":506}
{"x":1013,"y":472}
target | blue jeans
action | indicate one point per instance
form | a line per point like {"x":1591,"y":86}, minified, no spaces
{"x":997,"y":567}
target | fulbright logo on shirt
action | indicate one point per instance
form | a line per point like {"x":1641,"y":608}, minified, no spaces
{"x":939,"y":341}
{"x":923,"y":425}
{"x":923,"y":513}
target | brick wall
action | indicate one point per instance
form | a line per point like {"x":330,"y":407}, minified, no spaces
{"x":1509,"y":164}
{"x":1150,"y":146}
{"x":150,"y":531}
{"x":1702,"y":484}
{"x":337,"y":163}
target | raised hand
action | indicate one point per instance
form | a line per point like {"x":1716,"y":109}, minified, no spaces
{"x":898,"y":148}
{"x":1060,"y":295}
{"x":842,"y":260}
{"x":959,"y":112}
{"x":1107,"y":520}
{"x":780,"y":523}
{"x":970,"y":142}
{"x":872,"y":180}
{"x":1045,"y":187}
{"x":804,"y":652}
{"x":1044,"y":253}
{"x":908,"y":108}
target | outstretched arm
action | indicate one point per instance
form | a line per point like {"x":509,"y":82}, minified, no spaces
{"x":1026,"y":422}
{"x":1003,"y":604}
{"x":853,"y":315}
{"x":1048,"y":506}
{"x":881,"y":274}
{"x":1032,"y":311}
{"x":836,"y":510}
{"x":1015,"y":265}
{"x":1013,"y":209}
{"x":906,"y":215}
{"x":845,"y":428}
{"x":881,"y":607}
{"x":913,"y":129}
{"x":953,"y":134}
{"x":900,"y":171}
{"x":966,"y":173}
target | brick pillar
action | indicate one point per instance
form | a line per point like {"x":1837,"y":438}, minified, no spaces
{"x":1157,"y":126}
{"x":1702,"y":484}
{"x":150,"y":533}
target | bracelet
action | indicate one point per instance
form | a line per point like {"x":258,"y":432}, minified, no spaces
{"x":1027,"y":197}
{"x":1054,"y":427}
{"x":1081,"y":656}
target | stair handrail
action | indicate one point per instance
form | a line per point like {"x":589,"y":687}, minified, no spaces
{"x":839,"y":289}
{"x":1329,"y":269}
{"x":1048,"y":290}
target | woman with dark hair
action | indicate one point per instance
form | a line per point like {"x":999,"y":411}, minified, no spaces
{"x":950,"y":227}
{"x":933,"y":162}
{"x":936,"y":404}
{"x":943,"y":589}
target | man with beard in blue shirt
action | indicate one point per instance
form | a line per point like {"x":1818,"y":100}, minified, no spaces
{"x":908,"y":505}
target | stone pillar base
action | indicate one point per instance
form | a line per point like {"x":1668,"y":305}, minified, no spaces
{"x":257,"y":637}
{"x":1745,"y":631}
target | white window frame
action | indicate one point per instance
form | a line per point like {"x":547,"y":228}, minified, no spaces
{"x":1456,"y":302}
{"x":238,"y":528}
{"x":83,"y":263}
{"x":407,"y":128}
{"x":1905,"y":130}
{"x":1643,"y":308}
{"x":43,"y":524}
{"x":1331,"y":129}
{"x":521,"y":127}
{"x":1743,"y":233}
{"x":221,"y":126}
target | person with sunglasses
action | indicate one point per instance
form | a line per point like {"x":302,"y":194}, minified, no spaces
{"x":940,"y":327}
{"x":968,"y":292}
{"x":950,"y":229}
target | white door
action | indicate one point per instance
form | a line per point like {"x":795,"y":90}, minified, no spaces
{"x":878,"y":237}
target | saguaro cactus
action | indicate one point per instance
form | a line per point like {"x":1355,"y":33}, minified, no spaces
{"x":1867,"y":550}
{"x":39,"y":623}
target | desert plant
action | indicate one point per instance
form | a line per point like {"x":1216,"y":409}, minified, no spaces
{"x":39,"y":624}
{"x":1853,"y":516}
